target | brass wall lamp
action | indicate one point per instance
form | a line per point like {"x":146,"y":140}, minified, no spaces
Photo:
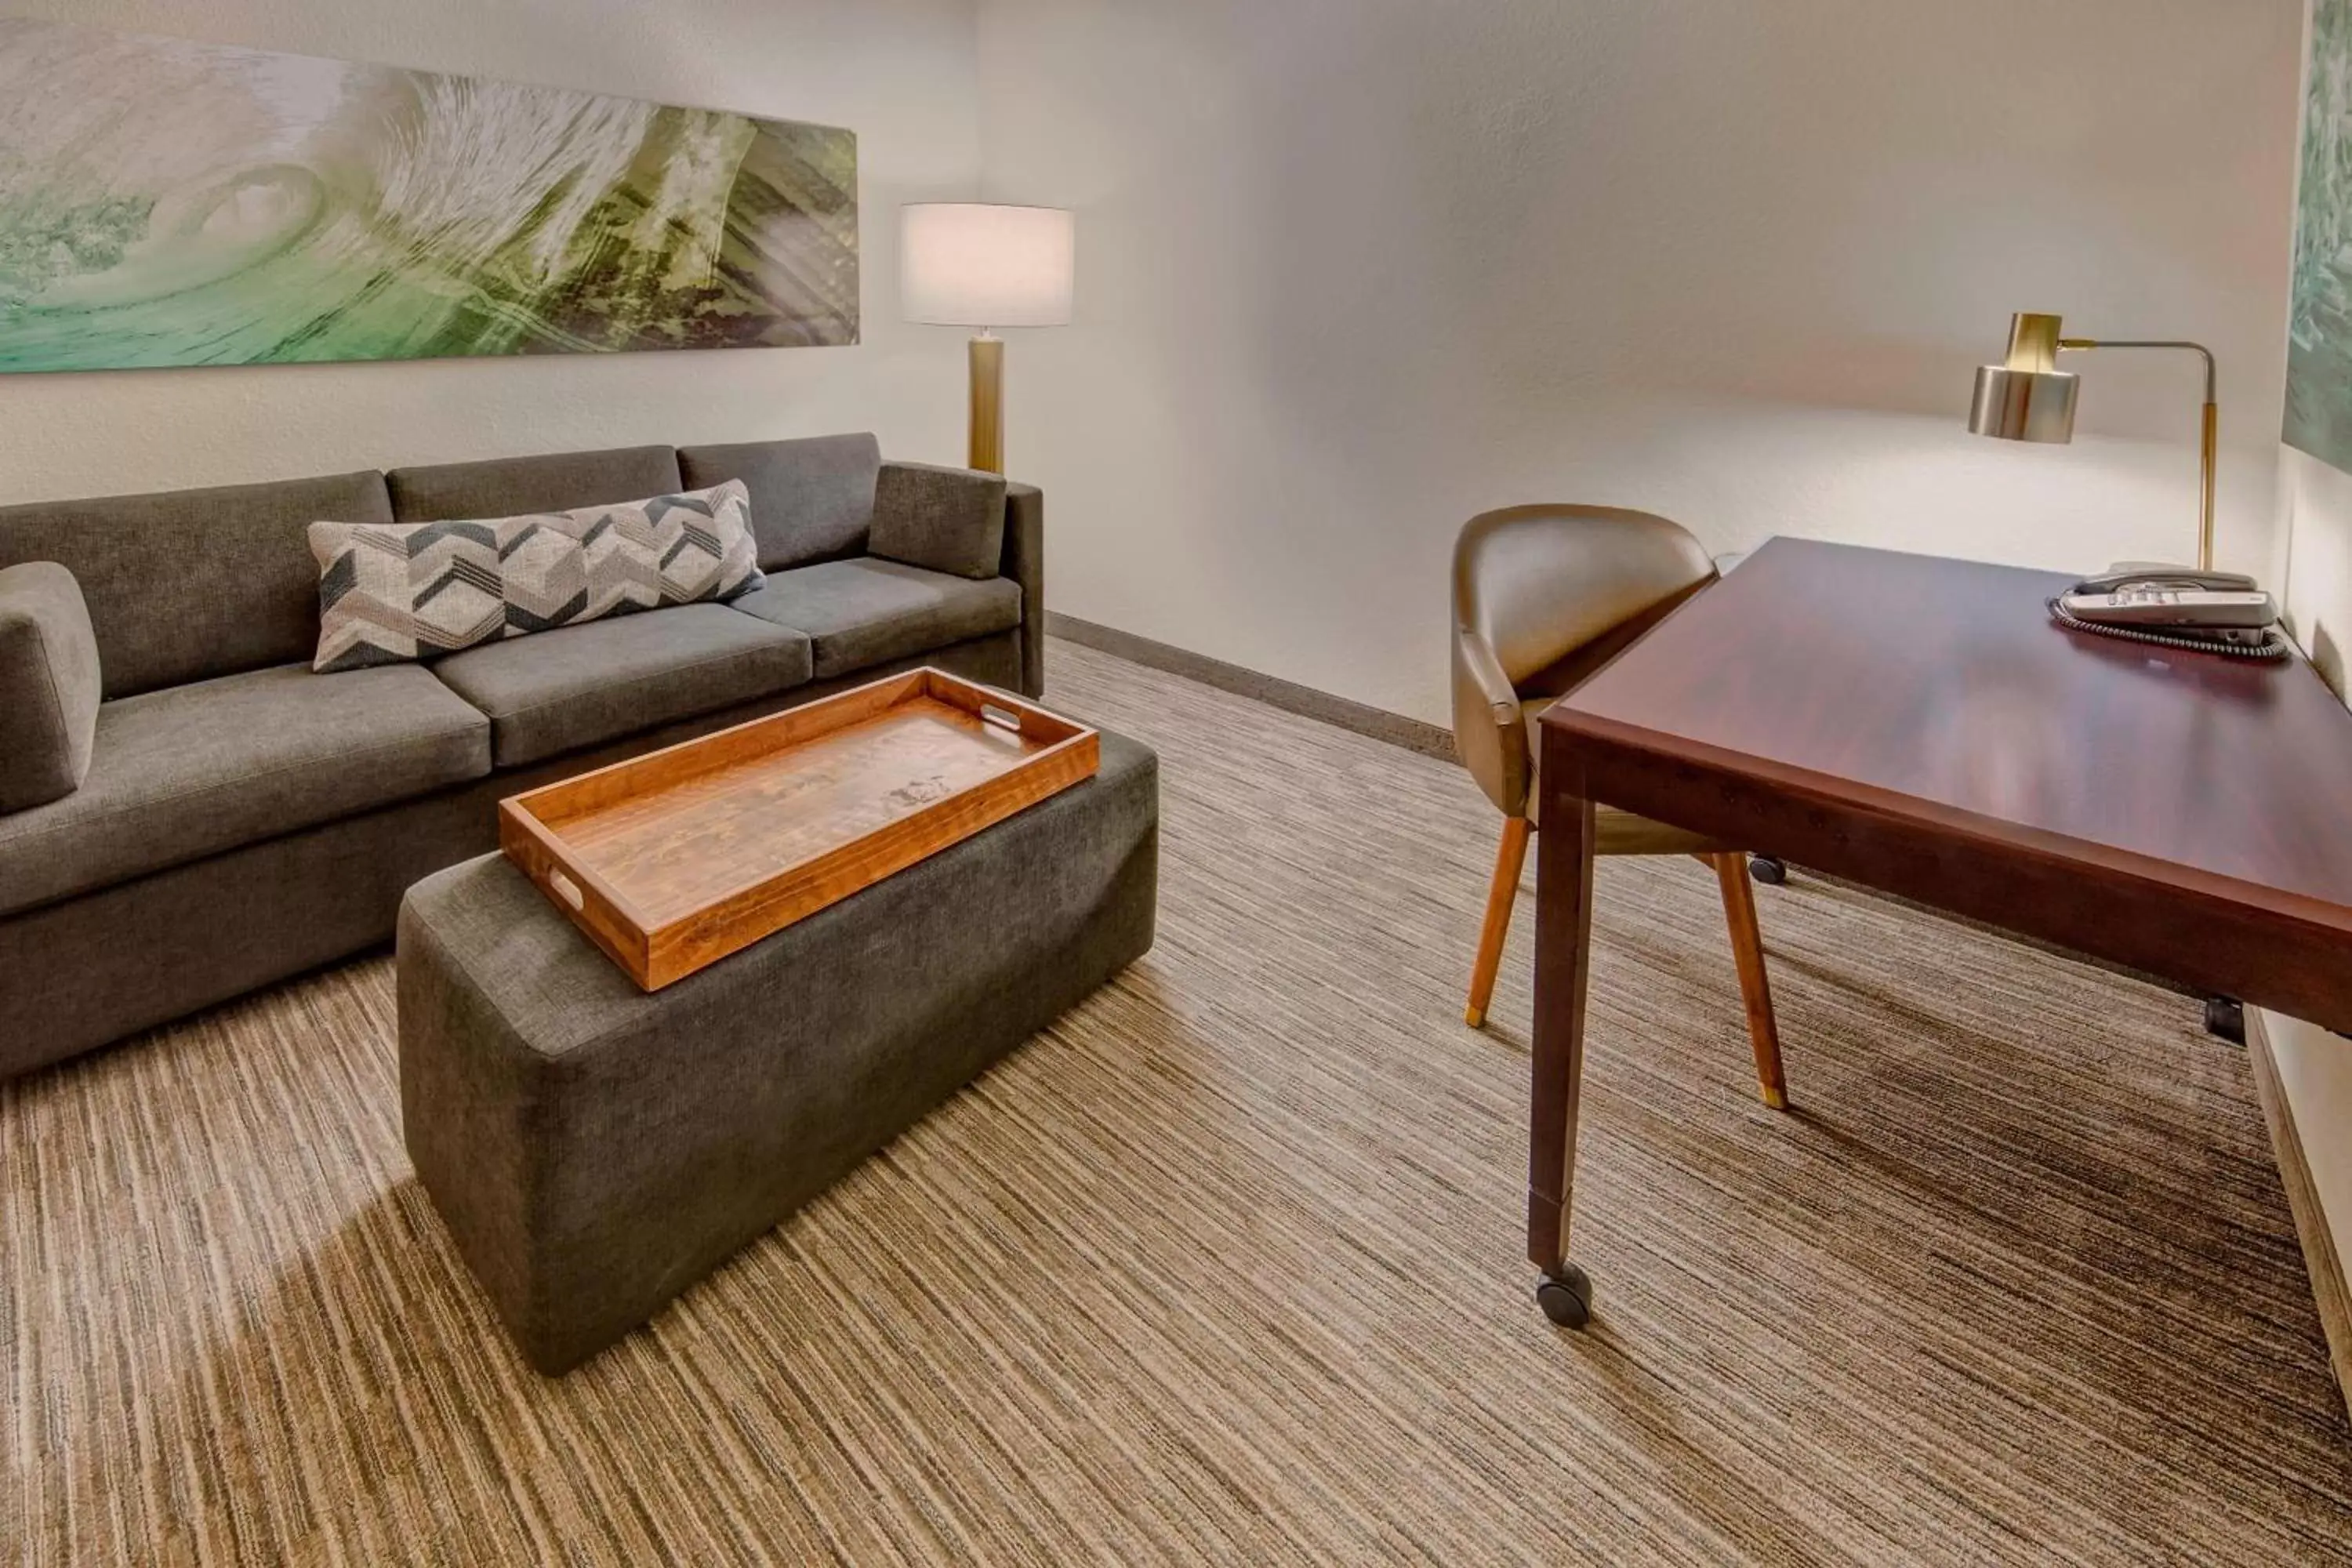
{"x":2027,"y":398}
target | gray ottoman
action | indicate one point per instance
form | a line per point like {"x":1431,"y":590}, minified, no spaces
{"x":595,"y":1150}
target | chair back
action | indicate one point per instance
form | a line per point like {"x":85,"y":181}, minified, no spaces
{"x":1538,"y":584}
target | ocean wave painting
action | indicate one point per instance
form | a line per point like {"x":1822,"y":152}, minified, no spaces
{"x":2319,"y":326}
{"x":166,"y":203}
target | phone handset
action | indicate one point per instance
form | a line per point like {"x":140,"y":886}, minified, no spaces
{"x":2154,"y":574}
{"x":2173,"y":603}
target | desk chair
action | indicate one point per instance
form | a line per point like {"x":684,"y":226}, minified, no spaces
{"x":1543,"y":596}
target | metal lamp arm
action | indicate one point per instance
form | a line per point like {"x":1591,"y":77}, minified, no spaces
{"x":2198,"y":349}
{"x":2209,"y":449}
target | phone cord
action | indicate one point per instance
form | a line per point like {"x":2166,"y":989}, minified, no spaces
{"x":2271,"y":646}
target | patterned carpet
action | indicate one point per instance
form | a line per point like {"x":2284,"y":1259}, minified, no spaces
{"x":1225,"y":1266}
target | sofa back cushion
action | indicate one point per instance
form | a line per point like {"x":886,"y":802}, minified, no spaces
{"x":390,"y":592}
{"x":514,"y":486}
{"x":945,"y":519}
{"x":185,"y":585}
{"x":812,"y":499}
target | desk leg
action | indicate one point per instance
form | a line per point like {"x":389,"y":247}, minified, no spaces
{"x":1563,"y":941}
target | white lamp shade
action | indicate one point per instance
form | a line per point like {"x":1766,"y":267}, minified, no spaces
{"x":966,"y":264}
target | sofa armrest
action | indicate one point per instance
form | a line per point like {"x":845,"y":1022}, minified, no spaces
{"x":1024,"y":561}
{"x":50,"y":685}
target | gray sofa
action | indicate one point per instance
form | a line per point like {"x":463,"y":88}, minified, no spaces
{"x":243,"y":819}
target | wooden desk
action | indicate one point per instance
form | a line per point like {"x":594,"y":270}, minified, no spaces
{"x":1919,"y":725}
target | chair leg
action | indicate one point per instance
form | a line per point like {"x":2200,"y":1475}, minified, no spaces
{"x":1508,"y":858}
{"x":1755,"y":990}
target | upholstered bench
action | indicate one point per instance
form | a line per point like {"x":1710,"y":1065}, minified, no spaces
{"x":595,"y":1150}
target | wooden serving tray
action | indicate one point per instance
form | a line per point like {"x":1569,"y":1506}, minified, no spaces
{"x":672,"y":860}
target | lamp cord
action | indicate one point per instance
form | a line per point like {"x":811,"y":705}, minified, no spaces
{"x":2271,"y":646}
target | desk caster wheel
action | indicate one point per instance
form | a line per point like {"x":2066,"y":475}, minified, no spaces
{"x":1566,"y":1297}
{"x":1767,"y":870}
{"x":2226,"y":1016}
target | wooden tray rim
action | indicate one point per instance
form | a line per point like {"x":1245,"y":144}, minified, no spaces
{"x":810,"y":721}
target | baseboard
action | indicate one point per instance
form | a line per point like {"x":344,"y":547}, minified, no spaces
{"x":2310,"y":1086}
{"x":1412,"y":734}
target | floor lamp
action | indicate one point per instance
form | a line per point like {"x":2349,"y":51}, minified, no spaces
{"x":971,"y":264}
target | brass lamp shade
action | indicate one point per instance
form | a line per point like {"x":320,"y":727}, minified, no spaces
{"x":2024,"y":404}
{"x":2026,"y":398}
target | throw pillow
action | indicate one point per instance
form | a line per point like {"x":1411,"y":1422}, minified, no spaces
{"x":950,"y":520}
{"x":393,"y":592}
{"x":49,"y":684}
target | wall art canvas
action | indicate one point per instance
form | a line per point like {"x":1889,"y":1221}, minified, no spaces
{"x":2320,"y":329}
{"x":167,"y":202}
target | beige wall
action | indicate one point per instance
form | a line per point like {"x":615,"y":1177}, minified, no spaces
{"x":2315,"y":559}
{"x":900,"y":73}
{"x":1351,"y":270}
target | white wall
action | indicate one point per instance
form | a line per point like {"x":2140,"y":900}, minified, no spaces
{"x":2315,"y":559}
{"x":899,"y":72}
{"x":1351,"y":270}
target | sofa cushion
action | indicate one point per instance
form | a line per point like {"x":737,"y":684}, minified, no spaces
{"x":811,"y":499}
{"x":566,"y":690}
{"x":389,"y":591}
{"x":189,"y":584}
{"x":857,"y":613}
{"x":554,"y":481}
{"x":194,"y":770}
{"x":949,"y":520}
{"x":49,"y":684}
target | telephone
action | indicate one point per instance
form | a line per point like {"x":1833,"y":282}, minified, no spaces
{"x":2146,"y":601}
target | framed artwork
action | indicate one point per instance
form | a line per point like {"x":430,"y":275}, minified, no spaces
{"x":168,"y":203}
{"x":2319,"y":327}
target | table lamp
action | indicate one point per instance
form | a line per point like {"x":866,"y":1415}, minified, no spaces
{"x":971,"y":264}
{"x":2027,"y":397}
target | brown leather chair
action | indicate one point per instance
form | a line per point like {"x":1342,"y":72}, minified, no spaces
{"x":1543,"y":596}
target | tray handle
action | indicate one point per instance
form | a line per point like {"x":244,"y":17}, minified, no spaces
{"x":600,"y":916}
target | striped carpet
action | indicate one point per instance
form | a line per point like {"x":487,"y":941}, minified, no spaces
{"x":1225,"y":1266}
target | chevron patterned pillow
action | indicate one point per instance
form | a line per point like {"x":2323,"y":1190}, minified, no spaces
{"x":394,"y":592}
